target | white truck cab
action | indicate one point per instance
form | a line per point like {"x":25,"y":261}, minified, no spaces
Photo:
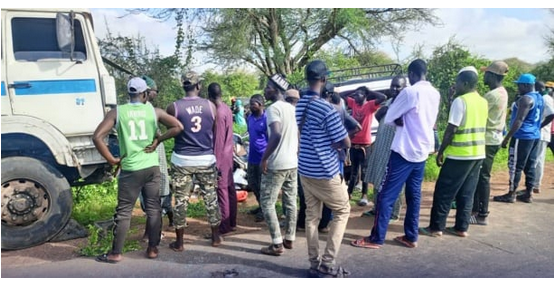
{"x":55,"y":90}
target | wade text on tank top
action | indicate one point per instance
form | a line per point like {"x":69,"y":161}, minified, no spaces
{"x":198,"y":118}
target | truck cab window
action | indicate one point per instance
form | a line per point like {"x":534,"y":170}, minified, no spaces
{"x":34,"y":39}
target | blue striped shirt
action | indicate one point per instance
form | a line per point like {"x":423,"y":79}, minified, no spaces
{"x":322,"y":128}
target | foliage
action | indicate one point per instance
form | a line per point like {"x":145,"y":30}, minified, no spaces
{"x":100,"y":242}
{"x":134,"y":58}
{"x":545,"y":71}
{"x":284,"y":40}
{"x":94,"y":202}
{"x":196,"y":209}
{"x":237,"y":83}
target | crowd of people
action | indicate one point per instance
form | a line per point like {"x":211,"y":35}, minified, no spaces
{"x":300,"y":143}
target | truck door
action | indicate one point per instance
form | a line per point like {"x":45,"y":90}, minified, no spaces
{"x":43,"y":82}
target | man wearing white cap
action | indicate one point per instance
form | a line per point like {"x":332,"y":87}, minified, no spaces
{"x":136,"y":123}
{"x":461,"y":154}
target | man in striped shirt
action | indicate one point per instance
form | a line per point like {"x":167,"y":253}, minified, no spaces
{"x":321,"y":133}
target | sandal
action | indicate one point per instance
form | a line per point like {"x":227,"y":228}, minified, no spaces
{"x":402,"y":240}
{"x":452,"y":230}
{"x":364,"y":243}
{"x":104,"y":258}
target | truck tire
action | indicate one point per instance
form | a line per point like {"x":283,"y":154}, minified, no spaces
{"x":36,"y":202}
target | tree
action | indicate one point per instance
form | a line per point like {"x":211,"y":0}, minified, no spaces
{"x":284,"y":40}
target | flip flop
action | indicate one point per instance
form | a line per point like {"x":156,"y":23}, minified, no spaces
{"x":363,"y":243}
{"x":104,"y":258}
{"x":402,"y":240}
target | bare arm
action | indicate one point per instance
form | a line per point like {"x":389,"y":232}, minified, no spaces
{"x":447,"y":139}
{"x":377,"y":96}
{"x":524,"y":104}
{"x":344,"y":143}
{"x":548,"y":119}
{"x":274,"y":139}
{"x":101,"y":132}
{"x":380,"y":114}
{"x":173,"y":128}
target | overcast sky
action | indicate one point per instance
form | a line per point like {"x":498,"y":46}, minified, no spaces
{"x":490,"y":33}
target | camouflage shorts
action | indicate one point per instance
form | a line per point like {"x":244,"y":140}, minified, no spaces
{"x":183,"y":179}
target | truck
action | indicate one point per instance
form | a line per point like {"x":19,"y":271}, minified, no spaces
{"x":55,"y":90}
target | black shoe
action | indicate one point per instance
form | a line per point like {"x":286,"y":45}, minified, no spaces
{"x":255,"y":211}
{"x":259,"y":217}
{"x":508,"y":197}
{"x":527,"y":198}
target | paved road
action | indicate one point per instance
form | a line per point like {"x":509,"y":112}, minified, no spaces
{"x":518,"y":242}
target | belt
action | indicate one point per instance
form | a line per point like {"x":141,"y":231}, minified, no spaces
{"x":358,"y":146}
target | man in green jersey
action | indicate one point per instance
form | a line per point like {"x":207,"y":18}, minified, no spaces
{"x":136,"y":123}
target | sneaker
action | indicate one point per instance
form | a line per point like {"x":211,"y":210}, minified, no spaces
{"x":427,"y":232}
{"x":323,"y":230}
{"x":536,"y":191}
{"x":455,"y":232}
{"x":369,"y":213}
{"x":478,"y":220}
{"x":508,"y":197}
{"x":275,"y":250}
{"x":363,"y":202}
{"x":527,"y":198}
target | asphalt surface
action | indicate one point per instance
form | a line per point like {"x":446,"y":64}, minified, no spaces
{"x":517,"y":243}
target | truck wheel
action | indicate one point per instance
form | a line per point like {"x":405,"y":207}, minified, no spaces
{"x":36,"y":202}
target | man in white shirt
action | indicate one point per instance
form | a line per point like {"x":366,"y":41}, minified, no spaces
{"x":414,"y":112}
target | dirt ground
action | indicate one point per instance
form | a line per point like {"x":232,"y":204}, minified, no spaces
{"x":197,"y":228}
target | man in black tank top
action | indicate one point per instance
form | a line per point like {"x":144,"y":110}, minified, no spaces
{"x":193,"y":156}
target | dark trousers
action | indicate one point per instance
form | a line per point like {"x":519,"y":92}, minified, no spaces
{"x":228,"y":203}
{"x":130,"y":184}
{"x":457,"y":181}
{"x":326,"y":214}
{"x":358,"y":159}
{"x":399,"y":172}
{"x":481,"y":197}
{"x":522,"y":157}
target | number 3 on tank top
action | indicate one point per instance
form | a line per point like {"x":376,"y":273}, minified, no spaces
{"x":196,"y":120}
{"x":133,"y":126}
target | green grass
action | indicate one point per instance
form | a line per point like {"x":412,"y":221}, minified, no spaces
{"x":93,"y":203}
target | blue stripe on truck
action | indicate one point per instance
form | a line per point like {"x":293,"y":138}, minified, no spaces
{"x":55,"y":87}
{"x":3,"y":91}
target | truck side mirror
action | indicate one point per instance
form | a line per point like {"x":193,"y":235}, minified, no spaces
{"x":65,"y":33}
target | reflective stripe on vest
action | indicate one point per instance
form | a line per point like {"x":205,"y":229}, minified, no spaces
{"x":469,"y":139}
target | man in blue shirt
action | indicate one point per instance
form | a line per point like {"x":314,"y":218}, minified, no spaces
{"x":524,"y":137}
{"x":321,"y":134}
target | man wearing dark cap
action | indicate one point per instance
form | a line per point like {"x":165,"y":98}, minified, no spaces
{"x":497,"y":99}
{"x":414,"y":112}
{"x":136,"y":123}
{"x":194,"y":157}
{"x":524,"y":136}
{"x":321,"y":134}
{"x":279,"y":165}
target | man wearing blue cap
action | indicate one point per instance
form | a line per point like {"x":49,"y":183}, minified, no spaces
{"x":524,"y":137}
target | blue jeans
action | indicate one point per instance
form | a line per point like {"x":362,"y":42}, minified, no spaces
{"x":399,"y":172}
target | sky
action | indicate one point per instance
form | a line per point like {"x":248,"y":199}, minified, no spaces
{"x":490,"y":33}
